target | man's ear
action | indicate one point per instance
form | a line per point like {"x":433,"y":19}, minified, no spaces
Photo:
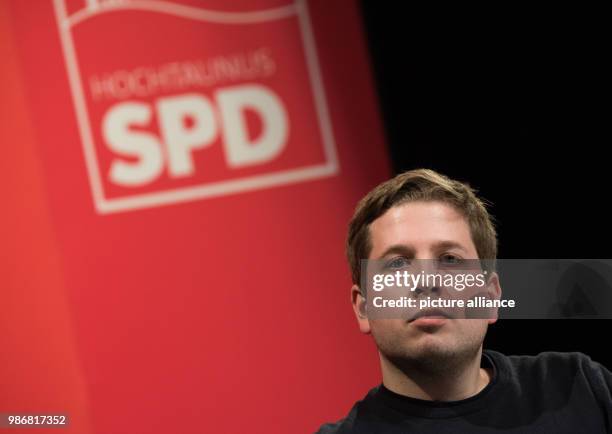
{"x":495,"y":292}
{"x":359,"y":307}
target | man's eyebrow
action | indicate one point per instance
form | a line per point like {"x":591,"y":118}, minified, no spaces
{"x":443,"y":245}
{"x":400,"y":249}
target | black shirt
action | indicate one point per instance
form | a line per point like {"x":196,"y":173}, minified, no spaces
{"x":551,"y":393}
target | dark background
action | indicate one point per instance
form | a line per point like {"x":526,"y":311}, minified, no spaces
{"x":515,"y":102}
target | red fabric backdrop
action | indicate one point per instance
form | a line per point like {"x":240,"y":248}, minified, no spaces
{"x":213,"y":296}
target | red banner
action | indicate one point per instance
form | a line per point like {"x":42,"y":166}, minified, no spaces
{"x":180,"y":176}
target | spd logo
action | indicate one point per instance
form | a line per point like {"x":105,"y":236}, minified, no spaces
{"x":177,"y":103}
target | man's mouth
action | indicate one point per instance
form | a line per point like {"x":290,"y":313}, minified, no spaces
{"x":430,"y":314}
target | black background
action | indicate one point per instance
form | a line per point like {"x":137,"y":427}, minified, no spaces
{"x":514,"y":102}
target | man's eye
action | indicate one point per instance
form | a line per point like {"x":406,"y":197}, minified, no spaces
{"x":448,"y":259}
{"x":398,"y":262}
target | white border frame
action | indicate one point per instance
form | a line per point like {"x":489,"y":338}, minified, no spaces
{"x":191,"y":193}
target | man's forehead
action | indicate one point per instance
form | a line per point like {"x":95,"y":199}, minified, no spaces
{"x":419,"y":213}
{"x":420,"y":223}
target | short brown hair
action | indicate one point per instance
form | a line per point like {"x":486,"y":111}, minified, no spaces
{"x":420,"y":185}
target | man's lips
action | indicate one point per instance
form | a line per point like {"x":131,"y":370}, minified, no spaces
{"x":430,"y":314}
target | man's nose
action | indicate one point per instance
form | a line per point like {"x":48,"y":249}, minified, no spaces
{"x":427,"y":290}
{"x":425,"y":266}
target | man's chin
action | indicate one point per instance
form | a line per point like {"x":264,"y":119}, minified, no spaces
{"x":430,"y":347}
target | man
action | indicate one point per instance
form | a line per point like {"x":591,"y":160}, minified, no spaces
{"x":436,"y":377}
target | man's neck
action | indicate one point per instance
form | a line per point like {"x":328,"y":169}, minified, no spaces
{"x":465,"y":379}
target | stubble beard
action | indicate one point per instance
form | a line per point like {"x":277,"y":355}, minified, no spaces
{"x":430,"y":358}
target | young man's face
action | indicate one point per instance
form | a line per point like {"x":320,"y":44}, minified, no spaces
{"x":423,"y":230}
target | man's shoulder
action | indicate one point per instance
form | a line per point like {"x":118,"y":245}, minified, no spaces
{"x":547,"y":366}
{"x":331,"y":428}
{"x":550,"y":380}
{"x":545,"y":360}
{"x":346,"y":424}
{"x":343,"y":425}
